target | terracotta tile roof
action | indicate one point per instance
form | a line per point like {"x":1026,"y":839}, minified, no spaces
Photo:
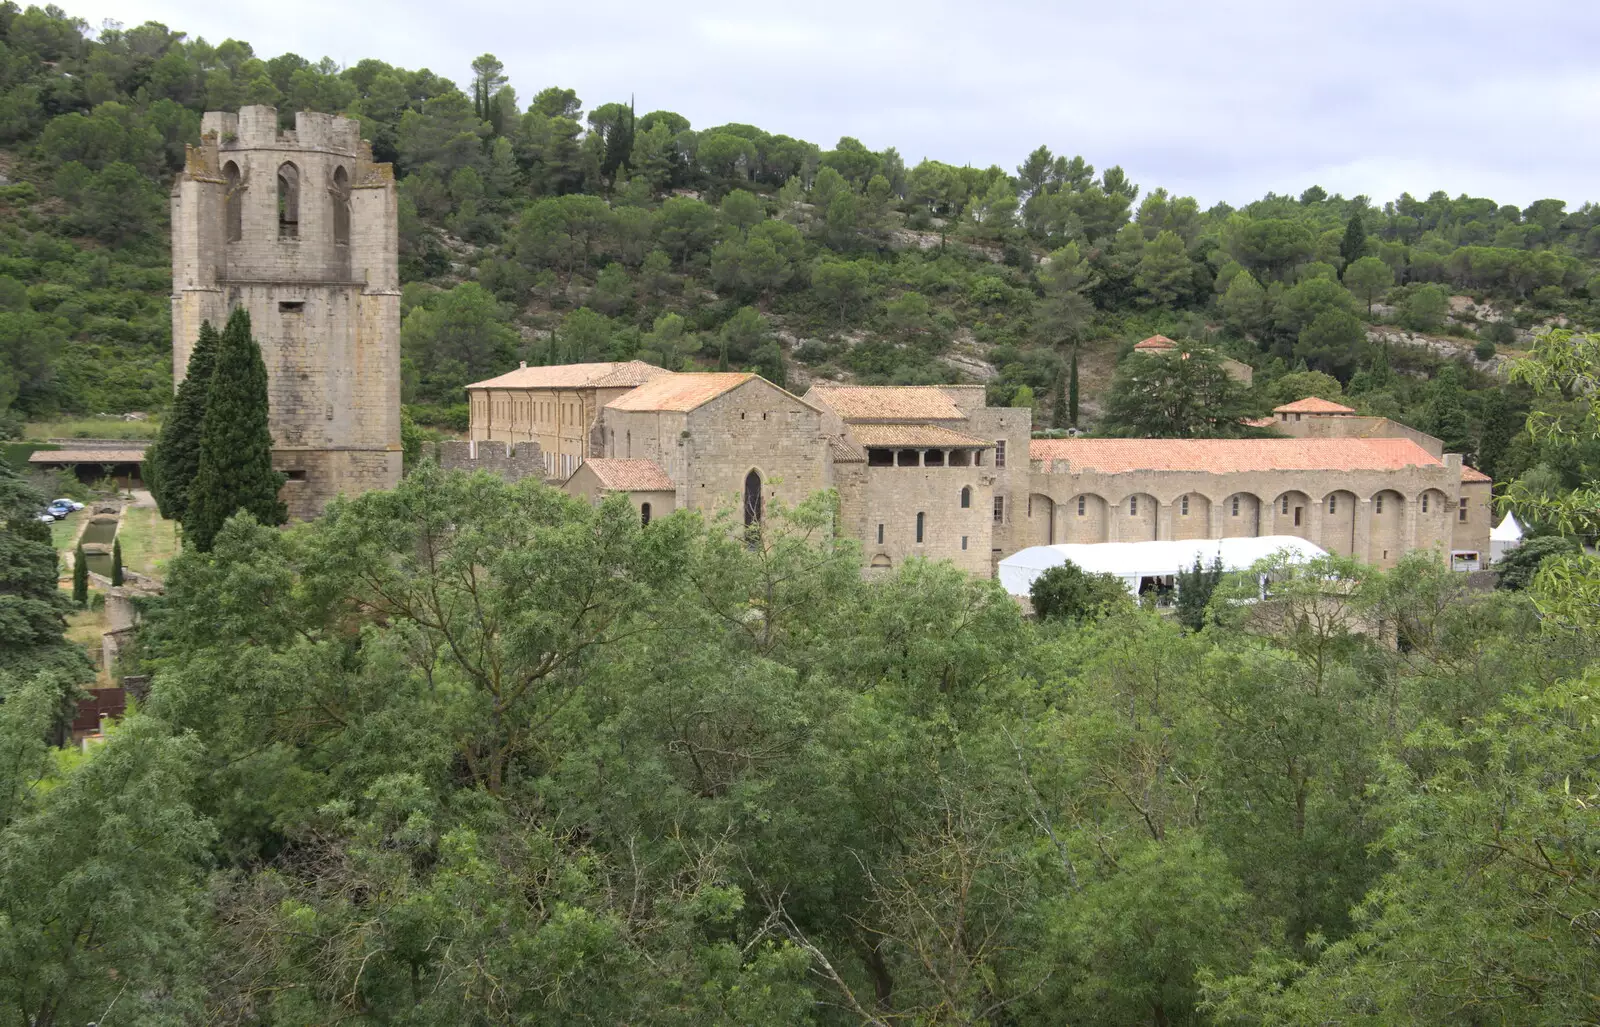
{"x":1155,"y":342}
{"x":1228,"y":456}
{"x":846,"y":452}
{"x":610,"y":374}
{"x":679,"y":392}
{"x":629,"y":475}
{"x":913,"y":435}
{"x":86,"y":456}
{"x":1473,"y":474}
{"x":1313,"y":405}
{"x":888,"y":402}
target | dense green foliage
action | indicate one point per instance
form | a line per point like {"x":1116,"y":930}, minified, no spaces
{"x":173,"y":461}
{"x":234,"y":470}
{"x":32,"y":606}
{"x":1068,"y":592}
{"x":533,"y":229}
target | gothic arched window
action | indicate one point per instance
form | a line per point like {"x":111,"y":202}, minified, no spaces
{"x":288,"y":202}
{"x":752,"y":498}
{"x":340,"y":191}
{"x":233,"y":201}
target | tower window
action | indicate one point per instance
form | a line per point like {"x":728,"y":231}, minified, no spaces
{"x":339,"y":191}
{"x":921,"y":519}
{"x":233,"y":201}
{"x":880,"y":534}
{"x":999,"y":509}
{"x":1461,"y":513}
{"x":1380,"y":502}
{"x":1183,"y":506}
{"x":1235,"y":506}
{"x":1000,"y":453}
{"x":966,"y":497}
{"x":963,"y":542}
{"x":1133,"y":506}
{"x":1333,"y":504}
{"x":288,"y":202}
{"x":1424,"y":502}
{"x":1081,"y":505}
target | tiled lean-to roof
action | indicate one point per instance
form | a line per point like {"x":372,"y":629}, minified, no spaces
{"x":1230,"y":456}
{"x":1473,"y":474}
{"x":1157,"y":343}
{"x":915,"y":435}
{"x":888,"y":402}
{"x":629,"y":475}
{"x":1313,"y":405}
{"x":679,"y":392}
{"x":605,"y":375}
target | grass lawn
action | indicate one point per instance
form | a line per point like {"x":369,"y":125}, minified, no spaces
{"x":148,"y":540}
{"x":92,"y":428}
{"x":62,"y":532}
{"x":85,"y":626}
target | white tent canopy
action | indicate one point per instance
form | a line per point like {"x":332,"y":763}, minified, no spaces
{"x":1504,"y":537}
{"x":1132,"y":561}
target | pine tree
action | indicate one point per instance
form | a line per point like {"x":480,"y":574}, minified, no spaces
{"x":1072,"y":390}
{"x":1354,"y":244}
{"x":175,"y":458}
{"x":80,"y":577}
{"x":1500,"y":424}
{"x":1058,"y":403}
{"x":235,"y":471}
{"x":116,"y":561}
{"x":1447,"y":414}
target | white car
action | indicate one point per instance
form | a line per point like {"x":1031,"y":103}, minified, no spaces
{"x":63,"y":501}
{"x":46,"y":517}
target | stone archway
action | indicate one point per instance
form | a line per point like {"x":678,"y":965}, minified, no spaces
{"x":1339,"y":523}
{"x":1291,"y":515}
{"x":1386,"y":537}
{"x":1241,"y":515}
{"x":1435,"y":529}
{"x":1085,"y":519}
{"x":1191,"y":516}
{"x":1136,"y":518}
{"x":1041,"y":520}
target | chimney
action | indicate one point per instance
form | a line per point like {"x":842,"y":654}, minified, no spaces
{"x":522,"y":365}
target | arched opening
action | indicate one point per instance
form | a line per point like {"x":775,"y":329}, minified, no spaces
{"x":881,"y":562}
{"x":1086,"y":518}
{"x":1241,"y":516}
{"x":1136,"y":518}
{"x":340,"y":191}
{"x":233,"y":201}
{"x":1041,"y":520}
{"x":1434,"y":527}
{"x":1338,"y":523}
{"x":644,"y":515}
{"x":1387,"y":533}
{"x":752,"y":499}
{"x":966,"y":497}
{"x":1291,"y":515}
{"x":1191,"y":516}
{"x":288,"y":202}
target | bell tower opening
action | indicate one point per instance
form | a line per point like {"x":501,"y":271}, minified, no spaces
{"x":233,"y":201}
{"x":288,"y":201}
{"x":340,"y":190}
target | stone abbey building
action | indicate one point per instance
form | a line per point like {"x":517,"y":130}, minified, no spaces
{"x":300,"y":228}
{"x":935,"y":472}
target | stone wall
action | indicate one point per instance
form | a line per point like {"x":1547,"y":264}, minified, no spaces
{"x":511,"y":462}
{"x":893,"y":497}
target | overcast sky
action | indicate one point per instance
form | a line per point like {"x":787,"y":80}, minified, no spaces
{"x":1222,"y":100}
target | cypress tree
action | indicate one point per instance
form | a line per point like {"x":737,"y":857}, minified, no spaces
{"x":116,"y":561}
{"x":1072,"y":390}
{"x":235,"y":471}
{"x":1354,"y":244}
{"x":175,"y":458}
{"x":80,"y":577}
{"x":1058,"y":402}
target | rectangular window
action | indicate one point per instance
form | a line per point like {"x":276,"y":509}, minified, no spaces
{"x":1000,"y":453}
{"x":963,"y":541}
{"x":1080,"y":505}
{"x":1380,"y":504}
{"x":999,"y":509}
{"x":1297,"y":517}
{"x":1461,"y":514}
{"x":1424,"y":502}
{"x":296,"y":475}
{"x":1285,"y":504}
{"x":1333,"y":504}
{"x":1235,"y":506}
{"x":1133,"y":506}
{"x":920,"y":520}
{"x":880,"y":534}
{"x":1183,"y":506}
{"x":291,"y":306}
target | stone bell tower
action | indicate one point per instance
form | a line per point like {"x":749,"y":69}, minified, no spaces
{"x":301,"y":229}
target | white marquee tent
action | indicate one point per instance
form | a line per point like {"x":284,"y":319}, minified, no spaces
{"x":1504,"y":537}
{"x":1132,"y":561}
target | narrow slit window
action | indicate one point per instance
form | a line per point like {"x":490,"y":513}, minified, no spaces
{"x":1082,"y":502}
{"x":966,"y":497}
{"x":339,"y":190}
{"x":1133,"y":506}
{"x":921,"y":521}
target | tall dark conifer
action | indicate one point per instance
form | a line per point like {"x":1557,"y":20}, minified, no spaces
{"x":175,"y":458}
{"x":235,"y":470}
{"x":1072,"y":389}
{"x":80,"y":577}
{"x":1058,"y":402}
{"x":1354,"y":244}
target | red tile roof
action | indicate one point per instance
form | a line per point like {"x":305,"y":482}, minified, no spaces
{"x":1155,"y":342}
{"x":87,"y":456}
{"x":931,"y":435}
{"x":1473,"y":474}
{"x":606,"y":375}
{"x":680,"y":392}
{"x":1228,"y":456}
{"x":888,"y":402}
{"x":1313,"y":405}
{"x":629,"y":475}
{"x":846,"y":452}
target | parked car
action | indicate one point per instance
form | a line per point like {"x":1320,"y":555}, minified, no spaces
{"x":60,"y":510}
{"x":47,"y":517}
{"x":70,"y":503}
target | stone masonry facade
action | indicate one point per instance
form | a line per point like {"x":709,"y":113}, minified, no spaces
{"x":934,"y":472}
{"x":300,"y":228}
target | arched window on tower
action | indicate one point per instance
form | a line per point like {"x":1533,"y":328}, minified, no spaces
{"x":340,"y":191}
{"x":233,"y":201}
{"x":966,"y":496}
{"x":288,"y":202}
{"x":752,"y":499}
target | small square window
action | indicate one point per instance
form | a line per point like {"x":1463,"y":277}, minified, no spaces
{"x":296,"y":475}
{"x":291,"y":306}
